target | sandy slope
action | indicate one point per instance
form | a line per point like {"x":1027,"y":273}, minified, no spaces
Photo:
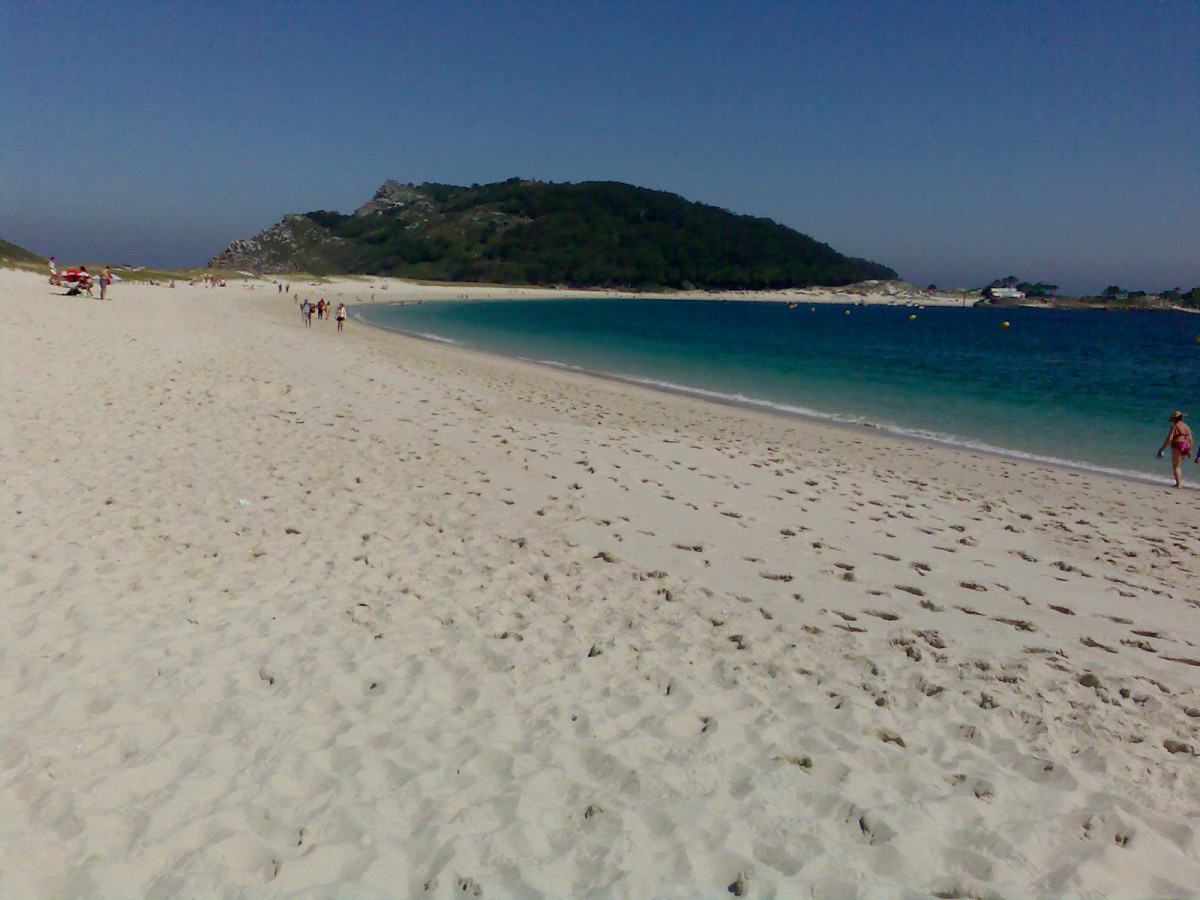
{"x":293,"y":613}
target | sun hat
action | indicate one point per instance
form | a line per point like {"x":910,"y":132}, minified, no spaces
{"x":1175,"y":416}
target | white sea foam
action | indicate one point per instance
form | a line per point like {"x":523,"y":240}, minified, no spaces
{"x":552,"y":363}
{"x":438,"y":338}
{"x":424,"y":335}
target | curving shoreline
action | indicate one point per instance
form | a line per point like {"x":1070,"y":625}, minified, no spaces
{"x":865,"y":425}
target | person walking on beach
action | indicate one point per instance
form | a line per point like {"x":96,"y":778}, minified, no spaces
{"x":341,"y":315}
{"x":105,"y":281}
{"x":1179,"y":439}
{"x":53,"y":271}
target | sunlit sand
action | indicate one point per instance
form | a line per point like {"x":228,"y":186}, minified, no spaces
{"x":293,"y":612}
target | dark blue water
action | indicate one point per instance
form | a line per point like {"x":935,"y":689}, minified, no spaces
{"x":1079,"y":386}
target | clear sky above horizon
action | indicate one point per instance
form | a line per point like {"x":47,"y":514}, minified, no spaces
{"x":956,"y":142}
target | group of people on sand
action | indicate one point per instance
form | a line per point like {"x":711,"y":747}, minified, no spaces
{"x":80,"y":280}
{"x":324,"y":311}
{"x":1179,"y":439}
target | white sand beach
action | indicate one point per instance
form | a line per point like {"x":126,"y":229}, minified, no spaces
{"x":293,"y":613}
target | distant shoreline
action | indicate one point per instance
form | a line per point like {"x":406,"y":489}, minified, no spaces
{"x":882,"y":293}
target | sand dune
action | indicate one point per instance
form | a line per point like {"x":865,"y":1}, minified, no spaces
{"x":294,"y":613}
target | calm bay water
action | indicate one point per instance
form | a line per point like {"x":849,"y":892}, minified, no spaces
{"x":1084,"y":387}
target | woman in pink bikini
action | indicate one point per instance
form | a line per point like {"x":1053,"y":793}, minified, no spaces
{"x":1179,"y":439}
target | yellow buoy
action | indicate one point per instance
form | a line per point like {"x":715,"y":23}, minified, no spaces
{"x":1003,"y":324}
{"x":847,"y":312}
{"x":910,"y":318}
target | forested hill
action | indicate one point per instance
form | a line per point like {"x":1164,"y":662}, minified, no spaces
{"x":529,"y":232}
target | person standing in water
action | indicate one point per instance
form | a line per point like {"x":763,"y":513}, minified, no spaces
{"x":1179,"y":439}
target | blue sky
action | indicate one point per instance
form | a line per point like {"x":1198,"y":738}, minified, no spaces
{"x":956,"y":142}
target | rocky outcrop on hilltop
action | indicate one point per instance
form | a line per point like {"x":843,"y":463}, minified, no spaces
{"x":291,"y":245}
{"x":395,"y":198}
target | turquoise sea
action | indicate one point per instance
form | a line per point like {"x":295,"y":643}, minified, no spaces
{"x":1081,"y":387}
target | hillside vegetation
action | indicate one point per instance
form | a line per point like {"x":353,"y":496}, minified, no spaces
{"x":523,"y":232}
{"x":11,"y":253}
